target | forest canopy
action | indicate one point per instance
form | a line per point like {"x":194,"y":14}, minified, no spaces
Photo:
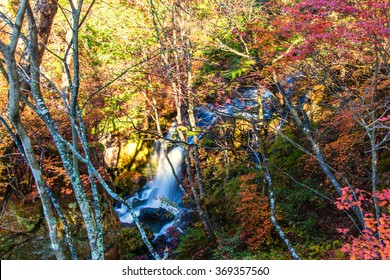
{"x":195,"y":129}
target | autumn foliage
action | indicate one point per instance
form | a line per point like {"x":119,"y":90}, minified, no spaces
{"x":254,"y":213}
{"x":145,"y":64}
{"x":336,"y":25}
{"x":373,"y":242}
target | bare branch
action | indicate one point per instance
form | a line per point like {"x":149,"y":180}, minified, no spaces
{"x":17,"y":26}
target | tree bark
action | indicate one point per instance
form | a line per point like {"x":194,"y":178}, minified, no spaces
{"x":45,"y":115}
{"x":14,"y":108}
{"x":304,"y":125}
{"x":268,"y":179}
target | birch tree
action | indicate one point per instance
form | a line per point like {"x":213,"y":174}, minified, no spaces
{"x":71,"y":152}
{"x":15,"y":95}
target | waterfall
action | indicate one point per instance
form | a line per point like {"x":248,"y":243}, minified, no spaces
{"x":162,"y":191}
{"x":165,"y":187}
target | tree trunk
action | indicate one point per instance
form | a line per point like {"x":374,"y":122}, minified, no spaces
{"x":304,"y":125}
{"x":268,"y":179}
{"x":14,"y":108}
{"x":45,"y":115}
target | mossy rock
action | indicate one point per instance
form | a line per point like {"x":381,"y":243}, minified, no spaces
{"x":133,"y":156}
{"x":130,"y":181}
{"x":22,"y":217}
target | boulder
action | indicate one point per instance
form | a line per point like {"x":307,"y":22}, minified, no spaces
{"x":130,"y":181}
{"x":155,"y":215}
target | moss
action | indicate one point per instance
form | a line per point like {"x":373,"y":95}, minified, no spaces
{"x":22,"y":217}
{"x":130,"y":242}
{"x":130,"y":181}
{"x":24,"y":233}
{"x":133,"y":155}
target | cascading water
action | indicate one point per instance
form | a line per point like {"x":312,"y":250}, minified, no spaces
{"x":162,"y":192}
{"x":165,"y":186}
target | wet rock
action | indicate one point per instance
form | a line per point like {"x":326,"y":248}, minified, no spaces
{"x":155,"y":218}
{"x":155,"y":215}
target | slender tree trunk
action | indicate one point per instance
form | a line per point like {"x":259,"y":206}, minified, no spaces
{"x":95,"y":194}
{"x":68,"y":236}
{"x":14,"y":109}
{"x":371,"y":132}
{"x":76,"y":119}
{"x":202,"y":213}
{"x":268,"y":179}
{"x":116,"y":197}
{"x":179,"y":78}
{"x":304,"y":125}
{"x":45,"y":115}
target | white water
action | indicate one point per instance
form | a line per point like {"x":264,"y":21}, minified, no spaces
{"x":162,"y":191}
{"x":165,"y":186}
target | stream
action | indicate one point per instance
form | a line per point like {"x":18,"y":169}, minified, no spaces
{"x":158,"y":204}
